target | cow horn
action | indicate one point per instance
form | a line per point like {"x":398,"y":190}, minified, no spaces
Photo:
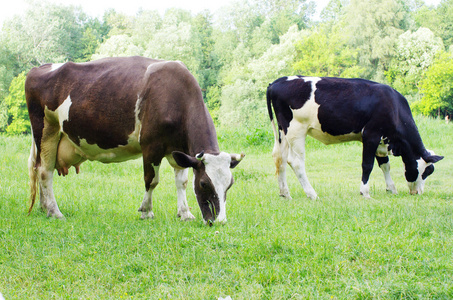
{"x":237,"y":157}
{"x":199,"y":156}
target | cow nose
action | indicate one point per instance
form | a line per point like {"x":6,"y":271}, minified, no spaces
{"x":416,"y":191}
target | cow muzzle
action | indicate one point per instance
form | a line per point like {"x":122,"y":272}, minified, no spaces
{"x":416,"y":188}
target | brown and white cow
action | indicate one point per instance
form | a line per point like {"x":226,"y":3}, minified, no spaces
{"x":116,"y":109}
{"x":337,"y":110}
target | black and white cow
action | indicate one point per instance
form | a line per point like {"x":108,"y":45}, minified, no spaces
{"x":116,"y":109}
{"x":337,"y":110}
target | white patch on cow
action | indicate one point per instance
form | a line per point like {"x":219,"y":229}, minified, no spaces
{"x":138,"y":123}
{"x":218,"y":170}
{"x":383,"y":149}
{"x":290,"y":78}
{"x":63,"y":112}
{"x":119,"y":154}
{"x":390,"y":185}
{"x":56,"y":66}
{"x":365,"y":190}
{"x":418,"y":186}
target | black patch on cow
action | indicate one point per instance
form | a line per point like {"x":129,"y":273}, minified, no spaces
{"x":285,"y":96}
{"x":428,"y":171}
{"x":344,"y":106}
{"x":382,"y":160}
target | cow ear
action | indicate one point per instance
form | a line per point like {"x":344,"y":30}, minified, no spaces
{"x":236,"y":159}
{"x":184,"y":160}
{"x":433,"y":158}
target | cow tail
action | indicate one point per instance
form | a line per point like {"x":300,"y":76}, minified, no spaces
{"x":276,"y":152}
{"x":33,"y":173}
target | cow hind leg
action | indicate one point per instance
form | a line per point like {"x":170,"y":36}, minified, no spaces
{"x":46,"y":167}
{"x":296,"y":159}
{"x":151,"y":181}
{"x":280,"y":156}
{"x":181,"y":179}
{"x":385,"y":167}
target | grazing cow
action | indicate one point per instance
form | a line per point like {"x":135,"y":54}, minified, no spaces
{"x":337,"y":110}
{"x":116,"y":109}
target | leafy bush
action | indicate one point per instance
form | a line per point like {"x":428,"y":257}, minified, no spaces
{"x":19,"y":121}
{"x":437,"y":88}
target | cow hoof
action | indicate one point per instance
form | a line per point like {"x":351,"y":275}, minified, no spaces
{"x":147,"y":215}
{"x":365,"y":195}
{"x":392,"y":190}
{"x":56,"y":215}
{"x":186,"y":216}
{"x":313,"y":197}
{"x":287,"y":197}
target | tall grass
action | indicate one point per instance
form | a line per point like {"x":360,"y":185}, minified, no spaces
{"x":341,"y":246}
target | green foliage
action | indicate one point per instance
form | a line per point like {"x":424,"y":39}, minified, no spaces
{"x":323,"y":54}
{"x":47,"y":33}
{"x":439,"y":19}
{"x":18,"y":122}
{"x":213,"y":102}
{"x":373,"y":27}
{"x":415,"y":52}
{"x":244,"y":97}
{"x":3,"y":116}
{"x":437,"y":88}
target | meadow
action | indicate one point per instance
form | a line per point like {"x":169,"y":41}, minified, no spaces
{"x":340,"y":246}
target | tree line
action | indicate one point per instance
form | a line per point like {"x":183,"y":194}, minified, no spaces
{"x":236,"y":52}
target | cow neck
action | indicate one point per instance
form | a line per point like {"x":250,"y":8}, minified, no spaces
{"x":414,"y":139}
{"x":202,"y":135}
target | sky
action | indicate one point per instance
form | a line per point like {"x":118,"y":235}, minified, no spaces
{"x":96,"y":8}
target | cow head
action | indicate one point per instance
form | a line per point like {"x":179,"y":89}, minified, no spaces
{"x":421,"y":169}
{"x":212,"y":180}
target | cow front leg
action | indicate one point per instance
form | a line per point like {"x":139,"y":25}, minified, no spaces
{"x":385,"y":167}
{"x":280,"y":156}
{"x":368,"y":154}
{"x":181,"y":179}
{"x":296,"y":160}
{"x":151,"y":181}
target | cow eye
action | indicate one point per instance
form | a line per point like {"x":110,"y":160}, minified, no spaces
{"x":203,"y":185}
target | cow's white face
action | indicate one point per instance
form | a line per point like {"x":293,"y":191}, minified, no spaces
{"x":217,"y":169}
{"x":211,"y":182}
{"x":425,"y":167}
{"x":417,"y":186}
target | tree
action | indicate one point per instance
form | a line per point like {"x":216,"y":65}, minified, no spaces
{"x":334,"y":12}
{"x":373,"y":28}
{"x":437,"y":88}
{"x":18,"y":120}
{"x":47,"y":33}
{"x":177,"y":40}
{"x":202,"y":27}
{"x":324,"y":54}
{"x":438,"y":19}
{"x":146,"y":24}
{"x":242,"y":99}
{"x":415,"y":52}
{"x":117,"y":45}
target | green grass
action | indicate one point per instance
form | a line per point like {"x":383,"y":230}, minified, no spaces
{"x":341,"y":246}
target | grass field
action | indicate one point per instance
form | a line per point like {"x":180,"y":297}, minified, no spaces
{"x":341,"y":246}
